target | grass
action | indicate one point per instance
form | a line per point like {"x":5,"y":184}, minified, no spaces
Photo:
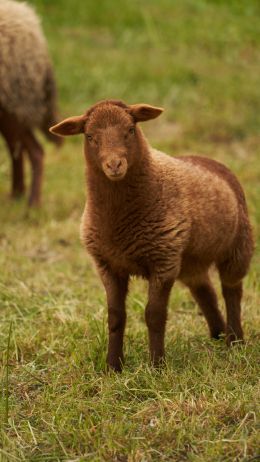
{"x":201,"y":61}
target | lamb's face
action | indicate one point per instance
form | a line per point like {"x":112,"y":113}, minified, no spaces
{"x":111,"y":140}
{"x":111,"y":135}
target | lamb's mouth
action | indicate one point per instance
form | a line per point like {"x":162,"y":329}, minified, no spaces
{"x":117,"y":176}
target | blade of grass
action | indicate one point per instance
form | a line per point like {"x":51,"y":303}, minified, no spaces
{"x":7,"y":375}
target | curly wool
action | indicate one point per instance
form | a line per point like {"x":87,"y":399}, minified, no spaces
{"x":25,"y":68}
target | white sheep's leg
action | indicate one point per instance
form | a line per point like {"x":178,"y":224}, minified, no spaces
{"x":11,"y":131}
{"x":18,"y":186}
{"x":16,"y":152}
{"x":35,"y":153}
{"x":116,"y":291}
{"x":156,"y":316}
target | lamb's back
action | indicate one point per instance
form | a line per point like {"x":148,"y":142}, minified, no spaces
{"x":204,"y":191}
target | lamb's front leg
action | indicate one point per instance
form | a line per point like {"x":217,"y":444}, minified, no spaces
{"x":156,"y":315}
{"x":116,"y":290}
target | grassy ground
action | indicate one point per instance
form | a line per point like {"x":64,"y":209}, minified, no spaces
{"x":201,"y":61}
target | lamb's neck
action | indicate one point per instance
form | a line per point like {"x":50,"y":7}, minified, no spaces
{"x":102,"y":190}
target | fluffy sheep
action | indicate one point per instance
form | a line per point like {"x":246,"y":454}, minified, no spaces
{"x":27,"y":92}
{"x":162,"y":218}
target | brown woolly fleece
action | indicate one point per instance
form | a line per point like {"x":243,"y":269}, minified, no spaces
{"x":27,"y":91}
{"x":162,"y":218}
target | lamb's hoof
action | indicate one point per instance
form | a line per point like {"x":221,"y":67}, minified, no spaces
{"x":158,"y":363}
{"x":218,"y":335}
{"x":233,"y":339}
{"x":115,"y":366}
{"x":217,"y":332}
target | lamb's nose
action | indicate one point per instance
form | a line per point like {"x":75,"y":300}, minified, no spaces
{"x":114,"y":164}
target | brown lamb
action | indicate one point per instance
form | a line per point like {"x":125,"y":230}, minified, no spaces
{"x":162,"y":218}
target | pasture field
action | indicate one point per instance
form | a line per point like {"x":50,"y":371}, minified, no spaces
{"x":201,"y":61}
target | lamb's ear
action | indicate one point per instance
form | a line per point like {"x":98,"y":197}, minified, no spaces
{"x":71,"y":126}
{"x":142,"y":112}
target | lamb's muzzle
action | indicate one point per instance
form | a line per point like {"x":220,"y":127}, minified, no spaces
{"x":115,"y":166}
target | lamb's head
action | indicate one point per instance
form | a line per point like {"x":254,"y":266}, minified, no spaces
{"x":111,"y":135}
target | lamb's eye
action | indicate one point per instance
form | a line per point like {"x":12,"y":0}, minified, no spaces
{"x":90,"y":137}
{"x":131,"y":130}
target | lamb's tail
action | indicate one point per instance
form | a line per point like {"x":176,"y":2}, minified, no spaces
{"x":50,"y":102}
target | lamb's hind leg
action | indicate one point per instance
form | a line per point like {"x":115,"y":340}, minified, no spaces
{"x":231,"y":275}
{"x":205,"y":295}
{"x":233,"y":296}
{"x":232,"y":271}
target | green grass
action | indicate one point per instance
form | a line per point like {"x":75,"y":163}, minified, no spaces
{"x":200,"y":60}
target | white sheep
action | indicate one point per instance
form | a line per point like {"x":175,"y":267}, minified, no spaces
{"x":27,"y":92}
